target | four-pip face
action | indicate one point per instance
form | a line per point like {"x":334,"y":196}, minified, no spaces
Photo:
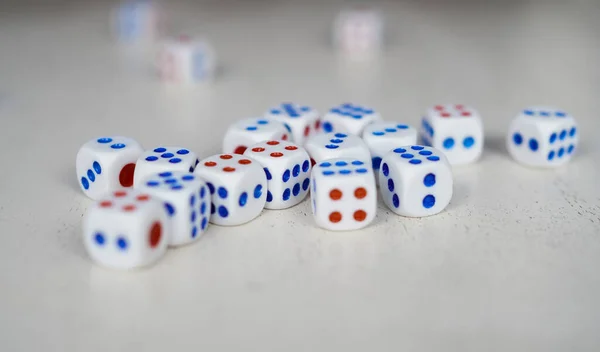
{"x":106,"y":164}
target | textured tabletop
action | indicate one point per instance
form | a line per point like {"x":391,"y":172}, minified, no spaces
{"x":511,"y":265}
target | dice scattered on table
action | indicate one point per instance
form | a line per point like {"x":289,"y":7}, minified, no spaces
{"x":343,"y":194}
{"x":303,"y":121}
{"x":358,"y":32}
{"x":348,"y":118}
{"x":415,"y":181}
{"x":287,"y":168}
{"x":187,"y":201}
{"x":106,"y":164}
{"x":126,"y":230}
{"x":250,"y":131}
{"x":542,"y":136}
{"x":164,"y":159}
{"x":456,"y":130}
{"x":137,"y":22}
{"x":336,"y":145}
{"x":383,"y":136}
{"x":186,"y":61}
{"x":238,"y":186}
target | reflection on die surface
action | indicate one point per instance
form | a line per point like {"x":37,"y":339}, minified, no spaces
{"x":186,"y":199}
{"x":125,"y":230}
{"x":415,"y":181}
{"x":343,"y":194}
{"x":106,"y":164}
{"x":542,"y":137}
{"x":287,"y":168}
{"x":456,"y":130}
{"x":238,"y":188}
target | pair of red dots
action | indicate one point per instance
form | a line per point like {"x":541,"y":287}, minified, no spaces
{"x":127,"y":207}
{"x":459,"y":107}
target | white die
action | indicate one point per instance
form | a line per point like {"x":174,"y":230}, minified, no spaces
{"x":383,"y":136}
{"x":251,"y":131}
{"x":137,"y":22}
{"x":349,"y":118}
{"x":456,"y":130}
{"x":336,"y":145}
{"x":106,"y":164}
{"x":238,"y":186}
{"x":164,"y":159}
{"x":187,"y":61}
{"x":415,"y":181}
{"x":343,"y":194}
{"x":303,"y":121}
{"x":187,"y":201}
{"x":541,"y":136}
{"x":287,"y":168}
{"x":358,"y":31}
{"x":127,"y":229}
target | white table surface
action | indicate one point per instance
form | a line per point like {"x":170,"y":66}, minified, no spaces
{"x":511,"y":265}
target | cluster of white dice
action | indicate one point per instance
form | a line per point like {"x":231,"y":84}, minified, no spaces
{"x":274,"y":161}
{"x":180,"y":59}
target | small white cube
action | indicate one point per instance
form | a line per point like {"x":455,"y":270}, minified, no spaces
{"x":337,"y":145}
{"x":137,"y":22}
{"x":358,"y":32}
{"x":186,"y":61}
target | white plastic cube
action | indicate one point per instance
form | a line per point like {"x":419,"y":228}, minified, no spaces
{"x":250,"y":131}
{"x":337,"y":145}
{"x":125,"y":230}
{"x":187,"y":201}
{"x":287,"y":168}
{"x":238,"y":186}
{"x":303,"y":121}
{"x":358,"y":31}
{"x":456,"y":130}
{"x":186,"y":61}
{"x":383,"y":136}
{"x":162,"y":159}
{"x":106,"y":164}
{"x":349,"y":118}
{"x":415,"y":181}
{"x":343,"y":194}
{"x":137,"y":22}
{"x":542,"y":137}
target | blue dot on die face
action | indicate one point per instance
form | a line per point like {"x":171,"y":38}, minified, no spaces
{"x":528,"y":112}
{"x":468,"y":142}
{"x":286,"y":176}
{"x":99,"y":238}
{"x":391,"y":130}
{"x":262,"y":122}
{"x":167,"y":155}
{"x":399,"y":150}
{"x":269,"y":196}
{"x":194,"y":232}
{"x":357,"y":163}
{"x":160,"y":150}
{"x":429,"y":180}
{"x":118,"y":146}
{"x":222,"y":192}
{"x":202,"y":192}
{"x":104,"y":140}
{"x":544,"y":113}
{"x":296,"y":170}
{"x":572,"y":132}
{"x":91,"y":175}
{"x":561,"y":152}
{"x":407,"y":156}
{"x":433,"y":158}
{"x":151,"y":158}
{"x":84,"y":183}
{"x":448,"y":143}
{"x":552,"y":138}
{"x":286,"y":194}
{"x":122,"y":243}
{"x":305,"y":166}
{"x":251,"y":128}
{"x":563,"y":134}
{"x":175,"y":161}
{"x":395,"y":200}
{"x":402,"y":127}
{"x":243,"y":199}
{"x":417,"y":147}
{"x":211,"y":188}
{"x":202,"y":208}
{"x":391,"y":185}
{"x":204,"y":223}
{"x":193,"y":217}
{"x":560,"y":114}
{"x":340,"y":135}
{"x":327,"y":127}
{"x":425,"y":152}
{"x":551,"y":155}
{"x":337,"y":141}
{"x":345,"y":172}
{"x":296,"y":189}
{"x":517,"y":138}
{"x":332,"y":146}
{"x":328,"y":173}
{"x":223,"y":212}
{"x":385,"y":169}
{"x":171,"y":181}
{"x":188,"y":177}
{"x":362,"y":171}
{"x":165,"y":174}
{"x":183,"y":152}
{"x":305,"y":184}
{"x":152,"y":183}
{"x":96,"y":166}
{"x":176,"y":187}
{"x":428,"y":201}
{"x":268,"y":174}
{"x":257,"y":191}
{"x":325,"y":164}
{"x":378,"y":133}
{"x":415,"y":161}
{"x":341,"y":163}
{"x":571,"y":148}
{"x":533,"y":144}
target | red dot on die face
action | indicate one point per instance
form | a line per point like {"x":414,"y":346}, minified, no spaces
{"x":276,"y":154}
{"x":106,"y":204}
{"x":272,"y":142}
{"x":143,"y":197}
{"x":126,"y":175}
{"x":317,"y":124}
{"x":155,"y":234}
{"x":258,"y":149}
{"x":466,"y":113}
{"x":439,"y":107}
{"x":129,"y":207}
{"x":210,"y":163}
{"x":284,"y":137}
{"x":228,"y":169}
{"x":291,"y":147}
{"x":226,"y":156}
{"x":445,"y":114}
{"x":459,"y":107}
{"x":120,"y":194}
{"x":245,"y":162}
{"x":306,"y":131}
{"x":240,"y":150}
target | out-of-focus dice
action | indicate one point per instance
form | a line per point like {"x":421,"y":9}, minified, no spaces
{"x":250,"y":131}
{"x":126,"y":230}
{"x":456,"y":130}
{"x":186,"y":61}
{"x":545,"y":137}
{"x":106,"y":164}
{"x":349,"y":118}
{"x":358,"y":32}
{"x":137,"y":22}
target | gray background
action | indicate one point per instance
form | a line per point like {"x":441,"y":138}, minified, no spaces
{"x":511,"y":265}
